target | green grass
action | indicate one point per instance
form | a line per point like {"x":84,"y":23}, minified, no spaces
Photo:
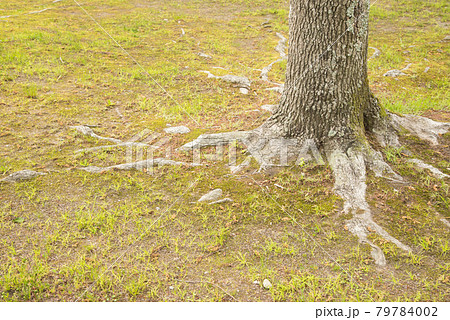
{"x":131,"y":236}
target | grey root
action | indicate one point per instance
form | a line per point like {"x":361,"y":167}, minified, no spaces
{"x":265,"y":145}
{"x":281,"y":49}
{"x":22,"y":176}
{"x":243,"y":83}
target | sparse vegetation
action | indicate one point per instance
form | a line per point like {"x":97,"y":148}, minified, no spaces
{"x":130,"y":236}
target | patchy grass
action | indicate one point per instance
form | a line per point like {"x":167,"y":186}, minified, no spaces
{"x":131,"y":236}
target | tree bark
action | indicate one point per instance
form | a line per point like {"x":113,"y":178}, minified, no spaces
{"x":327,"y":95}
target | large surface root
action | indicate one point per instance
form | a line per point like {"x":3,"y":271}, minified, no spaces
{"x":424,"y":128}
{"x":264,"y":144}
{"x":434,"y":171}
{"x":268,"y":148}
{"x":22,"y":175}
{"x":142,"y":165}
{"x":421,"y":127}
{"x":146,"y":165}
{"x":349,"y":169}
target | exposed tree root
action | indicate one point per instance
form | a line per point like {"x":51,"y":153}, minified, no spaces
{"x":22,"y":175}
{"x":123,"y":144}
{"x":424,"y":128}
{"x":279,"y":88}
{"x":376,"y":54}
{"x":434,"y":171}
{"x":349,"y":169}
{"x":138,"y":165}
{"x":204,"y":55}
{"x":145,"y":135}
{"x":25,"y":14}
{"x":88,"y":132}
{"x":31,"y":12}
{"x":444,"y":221}
{"x":211,"y":196}
{"x":395,"y":73}
{"x":224,"y":200}
{"x":421,"y":127}
{"x":268,"y":148}
{"x":349,"y":173}
{"x":374,"y":161}
{"x":142,"y":165}
{"x":281,"y":49}
{"x":242,"y":83}
{"x":269,"y":107}
{"x":264,"y":144}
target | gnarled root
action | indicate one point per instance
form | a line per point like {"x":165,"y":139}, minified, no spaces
{"x":147,"y":165}
{"x":424,"y":128}
{"x":266,"y":145}
{"x":349,"y":169}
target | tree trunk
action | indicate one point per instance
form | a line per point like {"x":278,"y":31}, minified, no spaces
{"x":326,"y":95}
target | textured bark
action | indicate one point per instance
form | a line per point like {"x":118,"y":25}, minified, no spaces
{"x":326,"y":94}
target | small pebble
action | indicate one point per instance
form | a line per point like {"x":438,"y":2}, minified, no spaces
{"x":267,"y":284}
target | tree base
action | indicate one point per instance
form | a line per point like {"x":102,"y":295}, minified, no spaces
{"x":268,"y":147}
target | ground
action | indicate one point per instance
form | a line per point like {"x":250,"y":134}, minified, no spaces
{"x":130,"y":236}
